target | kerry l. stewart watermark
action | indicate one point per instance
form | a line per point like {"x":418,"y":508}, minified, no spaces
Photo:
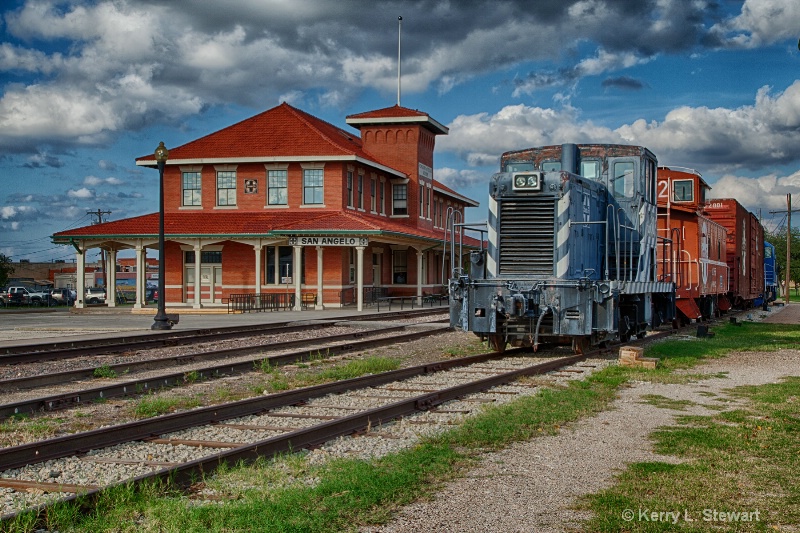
{"x":688,"y":515}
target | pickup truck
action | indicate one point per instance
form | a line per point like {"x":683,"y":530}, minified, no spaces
{"x":24,"y":295}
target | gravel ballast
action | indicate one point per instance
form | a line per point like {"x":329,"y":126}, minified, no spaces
{"x":534,"y":486}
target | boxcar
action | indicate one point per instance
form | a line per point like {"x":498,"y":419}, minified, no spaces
{"x":745,"y":251}
{"x":694,"y":245}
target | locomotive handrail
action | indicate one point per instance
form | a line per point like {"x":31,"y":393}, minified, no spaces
{"x":667,"y":268}
{"x":449,"y":225}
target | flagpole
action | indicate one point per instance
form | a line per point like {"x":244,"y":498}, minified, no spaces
{"x":399,"y":27}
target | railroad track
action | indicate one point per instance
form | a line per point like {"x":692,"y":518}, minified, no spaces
{"x":256,"y":427}
{"x":236,"y":361}
{"x":184,"y":446}
{"x":31,"y":353}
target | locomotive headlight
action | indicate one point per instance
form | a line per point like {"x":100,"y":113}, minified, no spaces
{"x":528,"y":181}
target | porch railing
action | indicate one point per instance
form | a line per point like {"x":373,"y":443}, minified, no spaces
{"x":257,"y":302}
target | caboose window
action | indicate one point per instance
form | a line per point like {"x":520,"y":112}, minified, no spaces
{"x":682,"y":191}
{"x":623,"y":179}
{"x":590,"y":169}
{"x":549,"y":166}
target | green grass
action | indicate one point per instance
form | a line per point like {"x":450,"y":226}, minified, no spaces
{"x":348,"y":492}
{"x":729,"y":455}
{"x":104,"y":371}
{"x":741,"y":460}
{"x":154,"y":406}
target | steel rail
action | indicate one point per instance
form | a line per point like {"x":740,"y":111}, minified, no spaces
{"x":75,"y":348}
{"x":187,"y":473}
{"x":78,"y":443}
{"x":112,"y":390}
{"x":30,"y":382}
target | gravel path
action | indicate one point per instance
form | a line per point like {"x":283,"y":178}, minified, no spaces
{"x":532,"y":486}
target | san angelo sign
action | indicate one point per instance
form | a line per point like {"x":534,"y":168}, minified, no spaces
{"x":328,"y":241}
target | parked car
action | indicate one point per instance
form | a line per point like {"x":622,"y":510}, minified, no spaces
{"x":95,"y":295}
{"x":64,"y":296}
{"x":2,"y":296}
{"x":26,"y":296}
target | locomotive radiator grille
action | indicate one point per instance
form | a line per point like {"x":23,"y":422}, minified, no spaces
{"x":526,"y":236}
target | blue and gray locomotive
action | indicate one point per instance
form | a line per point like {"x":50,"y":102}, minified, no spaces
{"x":572,"y":251}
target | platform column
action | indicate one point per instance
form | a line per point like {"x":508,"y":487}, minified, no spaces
{"x":80,"y":278}
{"x":140,"y":277}
{"x":259,"y":251}
{"x":419,"y":275}
{"x":198,"y":256}
{"x":360,"y":277}
{"x":319,"y":306}
{"x":298,"y":255}
{"x":111,"y":279}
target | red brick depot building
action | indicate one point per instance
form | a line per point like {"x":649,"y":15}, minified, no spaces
{"x":284,"y":202}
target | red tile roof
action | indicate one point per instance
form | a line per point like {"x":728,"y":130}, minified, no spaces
{"x":249,"y":224}
{"x":394,"y":111}
{"x":396,"y":115}
{"x":283,"y":131}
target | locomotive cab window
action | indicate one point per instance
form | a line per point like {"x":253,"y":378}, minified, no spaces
{"x":550,"y":166}
{"x":590,"y":169}
{"x":683,"y":191}
{"x":518,"y":167}
{"x":622,"y":179}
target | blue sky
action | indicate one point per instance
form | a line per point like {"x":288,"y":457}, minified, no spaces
{"x":88,"y":86}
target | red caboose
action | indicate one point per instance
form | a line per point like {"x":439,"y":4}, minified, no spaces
{"x":745,"y":255}
{"x":694,"y":245}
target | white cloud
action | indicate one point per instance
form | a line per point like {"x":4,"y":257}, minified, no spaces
{"x":94,"y":181}
{"x":761,"y":22}
{"x":82,"y":193}
{"x":767,"y":192}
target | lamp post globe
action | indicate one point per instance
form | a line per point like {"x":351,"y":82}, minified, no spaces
{"x":161,"y":321}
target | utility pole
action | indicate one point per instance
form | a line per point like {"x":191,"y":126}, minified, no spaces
{"x":788,"y":245}
{"x":99,"y":214}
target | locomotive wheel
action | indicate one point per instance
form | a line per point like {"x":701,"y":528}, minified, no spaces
{"x":581,"y":344}
{"x":498,"y":342}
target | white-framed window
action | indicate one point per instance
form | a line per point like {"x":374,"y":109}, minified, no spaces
{"x":428,"y":193}
{"x":683,"y":191}
{"x":382,"y":189}
{"x":313,"y":186}
{"x":360,"y":191}
{"x":226,"y":187}
{"x":372,"y":191}
{"x":399,"y":199}
{"x":277,"y":187}
{"x":435,"y":212}
{"x":421,"y":200}
{"x":192,"y":188}
{"x":349,"y":188}
{"x":400,"y":267}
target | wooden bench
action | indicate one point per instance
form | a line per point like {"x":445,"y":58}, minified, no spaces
{"x":307,"y":299}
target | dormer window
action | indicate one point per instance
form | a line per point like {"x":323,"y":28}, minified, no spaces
{"x":683,"y":191}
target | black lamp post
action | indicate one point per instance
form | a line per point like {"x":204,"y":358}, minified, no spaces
{"x":161,"y":320}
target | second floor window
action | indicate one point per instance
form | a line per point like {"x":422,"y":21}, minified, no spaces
{"x":226,"y":187}
{"x":361,"y":191}
{"x":192,"y":188}
{"x":372,"y":205}
{"x":399,"y":199}
{"x":349,"y":188}
{"x":276,"y":187}
{"x":313,"y":183}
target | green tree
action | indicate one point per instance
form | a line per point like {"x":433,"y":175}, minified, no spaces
{"x":5,"y":269}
